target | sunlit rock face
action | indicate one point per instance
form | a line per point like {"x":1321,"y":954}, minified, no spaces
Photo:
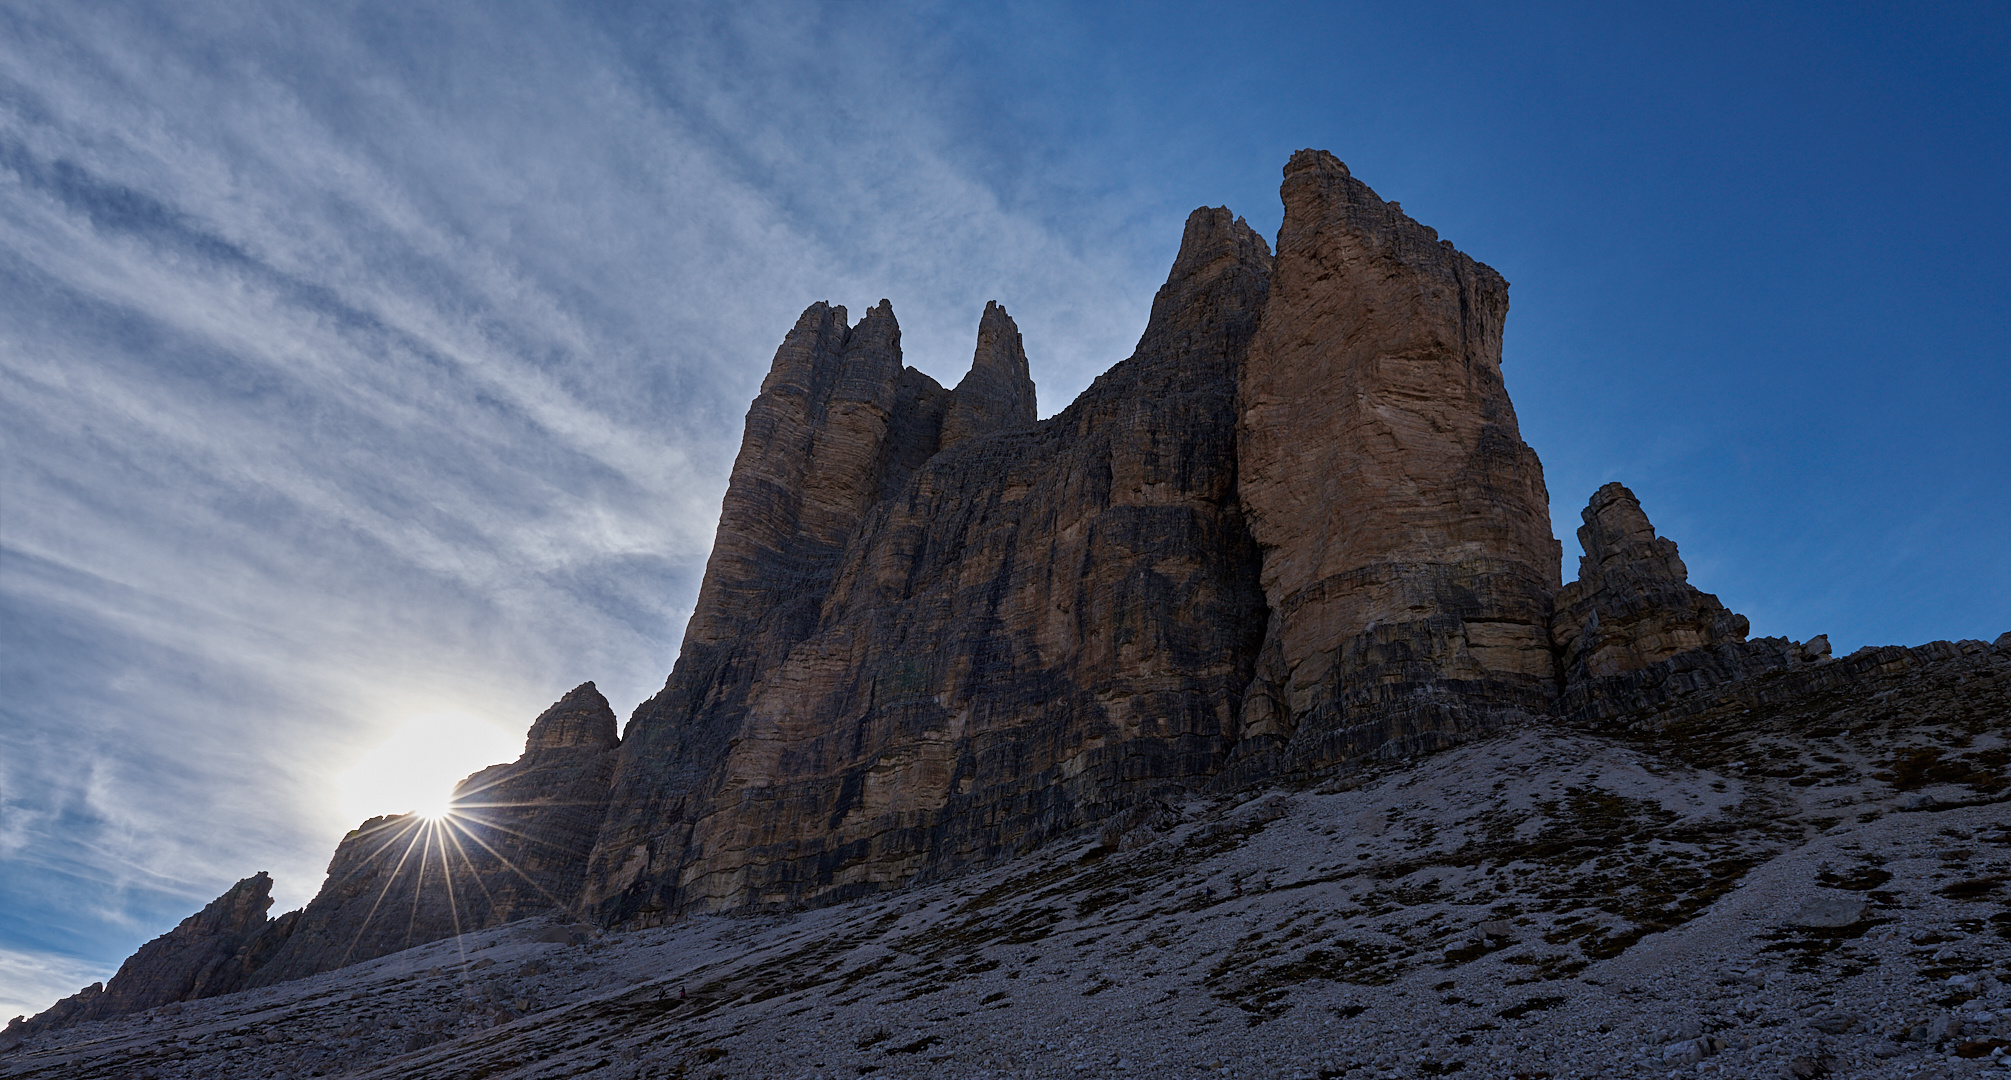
{"x":515,"y":844}
{"x":1407,"y":556}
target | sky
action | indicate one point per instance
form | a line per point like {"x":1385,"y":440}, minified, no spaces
{"x":370,"y":373}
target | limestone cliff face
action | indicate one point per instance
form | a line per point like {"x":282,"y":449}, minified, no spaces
{"x":836,"y":412}
{"x":1041,"y":628}
{"x":1034,"y":628}
{"x":515,"y":845}
{"x":1407,"y":555}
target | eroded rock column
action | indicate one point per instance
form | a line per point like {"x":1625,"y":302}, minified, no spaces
{"x":1407,"y":553}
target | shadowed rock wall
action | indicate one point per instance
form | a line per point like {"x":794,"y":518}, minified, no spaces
{"x":1044,"y":625}
{"x":839,"y":423}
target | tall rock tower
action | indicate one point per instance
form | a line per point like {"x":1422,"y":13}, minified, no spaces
{"x":989,"y":631}
{"x":1407,"y":554}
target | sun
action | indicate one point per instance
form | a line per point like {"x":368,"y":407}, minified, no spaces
{"x":414,"y":770}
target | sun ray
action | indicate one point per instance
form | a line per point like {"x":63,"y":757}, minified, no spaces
{"x":402,"y":824}
{"x":435,"y":831}
{"x":372,"y":914}
{"x":514,"y":868}
{"x":419,"y":886}
{"x":447,"y":836}
{"x":523,"y":835}
{"x":457,"y":793}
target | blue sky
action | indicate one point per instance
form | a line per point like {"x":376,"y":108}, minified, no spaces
{"x":368,"y":363}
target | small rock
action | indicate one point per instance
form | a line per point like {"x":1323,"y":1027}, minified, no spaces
{"x":1690,"y":1051}
{"x":1934,"y":1030}
{"x":1829,"y":912}
{"x":1834,"y":1023}
{"x":1806,"y":1068}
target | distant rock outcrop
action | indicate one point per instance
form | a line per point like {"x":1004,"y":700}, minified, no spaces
{"x":212,"y":952}
{"x":1633,"y":634}
{"x":515,"y":845}
{"x":1633,"y":604}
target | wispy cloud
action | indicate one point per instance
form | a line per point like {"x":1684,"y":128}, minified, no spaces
{"x":361,"y":364}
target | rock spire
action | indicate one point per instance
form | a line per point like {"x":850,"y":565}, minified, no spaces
{"x":997,"y":394}
{"x":1408,"y":561}
{"x":1633,"y":604}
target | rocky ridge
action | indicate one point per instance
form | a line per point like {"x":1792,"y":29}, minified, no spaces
{"x":1291,"y":543}
{"x":215,"y":951}
{"x":1808,"y":888}
{"x":514,"y":847}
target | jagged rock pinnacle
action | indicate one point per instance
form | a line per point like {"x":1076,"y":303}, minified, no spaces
{"x":1633,"y":604}
{"x":997,"y":394}
{"x":580,"y":719}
